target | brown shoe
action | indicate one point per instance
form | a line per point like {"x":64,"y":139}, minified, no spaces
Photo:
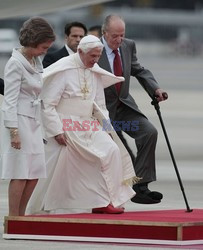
{"x":108,"y":210}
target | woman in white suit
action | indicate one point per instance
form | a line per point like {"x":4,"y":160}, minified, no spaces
{"x":22,"y":151}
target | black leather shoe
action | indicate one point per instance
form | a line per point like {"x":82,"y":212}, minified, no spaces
{"x":155,"y":195}
{"x":145,"y":196}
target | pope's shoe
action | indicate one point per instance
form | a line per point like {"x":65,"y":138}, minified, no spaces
{"x":108,"y":210}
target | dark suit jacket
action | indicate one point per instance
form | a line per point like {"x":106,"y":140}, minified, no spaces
{"x":54,"y":56}
{"x":1,"y":86}
{"x":131,"y":67}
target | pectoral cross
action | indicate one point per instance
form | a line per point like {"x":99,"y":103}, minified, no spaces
{"x":85,"y":91}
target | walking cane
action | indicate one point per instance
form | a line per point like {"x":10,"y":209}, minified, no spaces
{"x":157,"y":107}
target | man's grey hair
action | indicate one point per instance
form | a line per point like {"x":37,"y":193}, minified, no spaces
{"x":108,"y":19}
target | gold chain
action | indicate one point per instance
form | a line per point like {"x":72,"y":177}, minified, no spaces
{"x":83,"y":87}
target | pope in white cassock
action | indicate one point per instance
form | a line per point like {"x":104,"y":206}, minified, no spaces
{"x":87,"y":166}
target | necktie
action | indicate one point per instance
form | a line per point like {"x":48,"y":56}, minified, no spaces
{"x":117,"y":69}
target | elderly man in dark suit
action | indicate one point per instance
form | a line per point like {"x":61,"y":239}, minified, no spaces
{"x":119,"y":56}
{"x":74,"y":32}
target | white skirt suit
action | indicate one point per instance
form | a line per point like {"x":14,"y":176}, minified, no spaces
{"x":21,"y":109}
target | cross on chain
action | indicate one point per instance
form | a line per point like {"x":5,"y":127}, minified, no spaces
{"x":85,"y":90}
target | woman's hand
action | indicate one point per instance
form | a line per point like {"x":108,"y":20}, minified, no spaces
{"x":15,"y":138}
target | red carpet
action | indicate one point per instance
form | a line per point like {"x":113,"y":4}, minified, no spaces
{"x":164,"y":225}
{"x":158,"y":215}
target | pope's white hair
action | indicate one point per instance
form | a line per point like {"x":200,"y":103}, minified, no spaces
{"x":89,"y":42}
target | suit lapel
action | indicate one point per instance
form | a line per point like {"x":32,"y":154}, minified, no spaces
{"x":64,"y":52}
{"x":124,"y":56}
{"x":124,"y":59}
{"x":104,"y":62}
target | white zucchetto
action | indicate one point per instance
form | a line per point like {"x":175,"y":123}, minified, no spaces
{"x":89,"y":42}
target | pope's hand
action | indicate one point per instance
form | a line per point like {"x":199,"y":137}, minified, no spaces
{"x":61,"y":139}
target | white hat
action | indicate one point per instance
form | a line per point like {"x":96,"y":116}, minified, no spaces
{"x":89,"y":42}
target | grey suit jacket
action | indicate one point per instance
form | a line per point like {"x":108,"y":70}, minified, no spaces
{"x":131,"y":67}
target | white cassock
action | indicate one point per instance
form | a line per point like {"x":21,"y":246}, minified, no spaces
{"x":88,"y":172}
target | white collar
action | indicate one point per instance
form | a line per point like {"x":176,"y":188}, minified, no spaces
{"x":109,"y":51}
{"x":70,"y":52}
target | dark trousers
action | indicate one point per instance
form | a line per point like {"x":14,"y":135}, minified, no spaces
{"x":138,"y":127}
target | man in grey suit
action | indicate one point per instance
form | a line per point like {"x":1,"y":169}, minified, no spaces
{"x":124,"y":112}
{"x":74,"y":32}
